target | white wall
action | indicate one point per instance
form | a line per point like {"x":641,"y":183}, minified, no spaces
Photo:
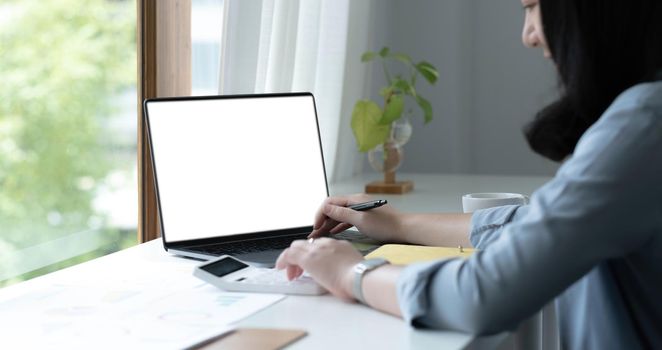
{"x":489,"y":87}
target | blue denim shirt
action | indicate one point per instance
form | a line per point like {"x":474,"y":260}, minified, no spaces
{"x":591,"y":239}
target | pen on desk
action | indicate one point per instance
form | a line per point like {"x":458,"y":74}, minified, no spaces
{"x":368,"y":205}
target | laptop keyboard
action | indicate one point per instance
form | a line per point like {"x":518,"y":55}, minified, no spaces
{"x":251,"y":246}
{"x":278,"y":243}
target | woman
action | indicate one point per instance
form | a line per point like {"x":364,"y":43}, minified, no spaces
{"x":591,"y":238}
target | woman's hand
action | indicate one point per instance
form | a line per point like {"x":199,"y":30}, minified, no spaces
{"x":333,"y":217}
{"x":328,"y":261}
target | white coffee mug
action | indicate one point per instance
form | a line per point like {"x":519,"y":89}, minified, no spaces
{"x":475,"y":201}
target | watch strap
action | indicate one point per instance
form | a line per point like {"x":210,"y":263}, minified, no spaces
{"x":360,"y":270}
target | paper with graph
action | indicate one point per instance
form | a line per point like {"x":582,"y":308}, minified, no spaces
{"x":154,"y":306}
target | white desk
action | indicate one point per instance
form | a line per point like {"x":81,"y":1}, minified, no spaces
{"x":331,"y":323}
{"x":442,"y":193}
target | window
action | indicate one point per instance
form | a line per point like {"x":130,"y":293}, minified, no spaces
{"x":206,"y":37}
{"x":68,"y":178}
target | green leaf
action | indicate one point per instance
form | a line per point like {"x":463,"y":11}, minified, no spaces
{"x":404,"y":58}
{"x":392,"y":110}
{"x":368,"y":56}
{"x":404,"y":86}
{"x":365,"y":125}
{"x":426,"y":107}
{"x":384,"y":51}
{"x":428,"y":71}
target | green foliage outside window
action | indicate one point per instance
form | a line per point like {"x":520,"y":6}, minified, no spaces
{"x":61,"y":62}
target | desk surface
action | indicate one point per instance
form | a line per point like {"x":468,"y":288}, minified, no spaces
{"x":331,"y":323}
{"x":442,"y":193}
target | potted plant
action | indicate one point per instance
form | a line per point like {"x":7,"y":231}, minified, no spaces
{"x":383,"y":130}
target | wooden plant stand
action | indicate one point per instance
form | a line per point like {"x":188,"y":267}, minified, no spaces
{"x":389,"y":185}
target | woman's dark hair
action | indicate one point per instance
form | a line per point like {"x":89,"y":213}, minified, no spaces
{"x":600,"y":48}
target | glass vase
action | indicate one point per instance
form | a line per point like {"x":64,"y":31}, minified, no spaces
{"x":401,"y":129}
{"x":386,"y":157}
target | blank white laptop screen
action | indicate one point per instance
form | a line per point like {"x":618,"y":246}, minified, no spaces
{"x":236,"y":165}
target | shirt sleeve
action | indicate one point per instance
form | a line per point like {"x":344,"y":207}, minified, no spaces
{"x":487,"y":224}
{"x":602,"y":204}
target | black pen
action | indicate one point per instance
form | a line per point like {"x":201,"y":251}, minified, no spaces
{"x":368,"y":205}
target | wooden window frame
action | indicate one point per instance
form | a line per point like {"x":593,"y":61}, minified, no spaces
{"x":164,"y":70}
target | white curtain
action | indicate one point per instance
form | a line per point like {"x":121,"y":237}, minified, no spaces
{"x":291,"y":46}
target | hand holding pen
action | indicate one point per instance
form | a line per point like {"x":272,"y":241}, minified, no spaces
{"x":372,"y":217}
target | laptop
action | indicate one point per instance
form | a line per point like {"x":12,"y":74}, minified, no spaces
{"x":241,"y":175}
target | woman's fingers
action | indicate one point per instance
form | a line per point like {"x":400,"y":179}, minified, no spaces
{"x":320,"y":217}
{"x":293,"y":272}
{"x":280,"y":262}
{"x":296,"y":252}
{"x":290,"y":259}
{"x":330,"y":227}
{"x":286,"y":258}
{"x":327,"y":260}
{"x":340,"y":228}
{"x":342,"y":214}
{"x":333,"y":216}
{"x":341,"y":201}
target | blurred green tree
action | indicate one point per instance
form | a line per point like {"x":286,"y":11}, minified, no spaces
{"x":61,"y":61}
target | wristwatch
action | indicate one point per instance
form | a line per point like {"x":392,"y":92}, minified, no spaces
{"x":360,"y":270}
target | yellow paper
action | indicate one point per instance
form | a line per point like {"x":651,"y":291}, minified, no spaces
{"x":401,"y":254}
